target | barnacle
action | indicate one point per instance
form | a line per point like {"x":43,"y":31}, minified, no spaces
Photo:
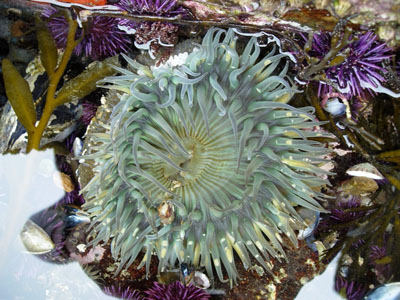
{"x":152,"y":35}
{"x":215,"y":138}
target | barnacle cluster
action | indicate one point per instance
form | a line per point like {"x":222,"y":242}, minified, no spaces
{"x":214,"y":142}
{"x":151,"y":35}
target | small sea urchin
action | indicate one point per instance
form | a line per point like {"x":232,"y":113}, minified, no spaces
{"x":101,"y":36}
{"x":214,"y":142}
{"x":122,"y":293}
{"x":175,"y":291}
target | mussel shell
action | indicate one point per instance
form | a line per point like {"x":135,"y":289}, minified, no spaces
{"x":74,"y":216}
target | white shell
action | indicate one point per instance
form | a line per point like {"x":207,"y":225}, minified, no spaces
{"x":201,"y":280}
{"x":77,"y":147}
{"x":335,"y":107}
{"x":365,"y":170}
{"x":35,"y":239}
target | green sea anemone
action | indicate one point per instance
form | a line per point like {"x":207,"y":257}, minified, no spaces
{"x":204,"y":159}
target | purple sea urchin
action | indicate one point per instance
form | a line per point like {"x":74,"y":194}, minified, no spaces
{"x":376,"y":258}
{"x":175,"y":291}
{"x":101,"y":36}
{"x":123,"y":293}
{"x":361,"y":69}
{"x":89,"y":111}
{"x":166,"y":8}
{"x":215,"y":139}
{"x":351,"y":290}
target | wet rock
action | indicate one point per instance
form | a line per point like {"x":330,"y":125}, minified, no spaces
{"x":285,"y":282}
{"x":21,"y":56}
{"x":358,"y":186}
{"x":85,"y":172}
{"x":13,"y":137}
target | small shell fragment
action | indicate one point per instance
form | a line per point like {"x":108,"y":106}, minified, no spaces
{"x":35,"y":239}
{"x":201,"y":280}
{"x":63,"y":181}
{"x":365,"y":170}
{"x":166,"y":212}
{"x":77,"y":147}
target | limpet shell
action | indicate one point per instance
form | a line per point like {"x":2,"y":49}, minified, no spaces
{"x":35,"y":239}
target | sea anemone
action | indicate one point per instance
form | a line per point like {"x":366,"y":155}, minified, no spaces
{"x":213,"y":143}
{"x":362,"y":69}
{"x":122,"y":293}
{"x":101,"y":36}
{"x":175,"y":291}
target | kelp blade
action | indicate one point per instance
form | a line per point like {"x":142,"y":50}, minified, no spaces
{"x":47,"y":48}
{"x":19,"y":95}
{"x":85,"y":83}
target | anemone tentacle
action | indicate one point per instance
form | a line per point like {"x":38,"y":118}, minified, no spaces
{"x":216,"y":140}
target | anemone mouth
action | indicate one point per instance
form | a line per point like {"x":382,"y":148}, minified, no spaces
{"x":214,"y":139}
{"x":196,"y":165}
